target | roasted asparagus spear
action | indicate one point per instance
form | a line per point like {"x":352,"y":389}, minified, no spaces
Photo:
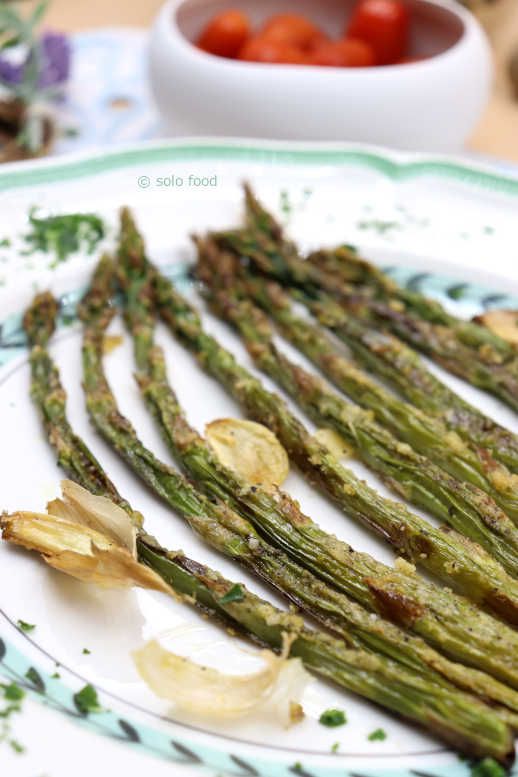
{"x":405,"y":371}
{"x":460,"y":719}
{"x":356,"y":270}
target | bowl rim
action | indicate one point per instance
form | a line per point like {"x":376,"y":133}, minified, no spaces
{"x":168,"y":13}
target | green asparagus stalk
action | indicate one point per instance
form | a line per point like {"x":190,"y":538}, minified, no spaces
{"x":74,"y":457}
{"x":426,"y":434}
{"x":458,"y":718}
{"x":404,"y":370}
{"x":406,"y":599}
{"x":463,"y":506}
{"x":196,"y":457}
{"x":354,"y":269}
{"x":264,"y":245}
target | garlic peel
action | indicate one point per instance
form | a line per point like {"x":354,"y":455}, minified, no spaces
{"x":209,"y":693}
{"x":86,"y":538}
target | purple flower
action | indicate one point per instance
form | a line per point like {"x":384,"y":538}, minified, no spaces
{"x":10,"y":74}
{"x":55,"y":54}
{"x":54,"y":67}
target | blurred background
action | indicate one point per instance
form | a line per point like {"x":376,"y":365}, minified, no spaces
{"x":108,"y":43}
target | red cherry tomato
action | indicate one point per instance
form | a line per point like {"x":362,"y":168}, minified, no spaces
{"x":292,"y":29}
{"x":226,"y":34}
{"x":260,"y":49}
{"x":410,"y":60}
{"x":343,"y":53}
{"x":384,"y":25}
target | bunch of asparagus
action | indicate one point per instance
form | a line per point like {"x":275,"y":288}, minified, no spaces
{"x":267,"y":533}
{"x":460,"y":719}
{"x":464,"y":506}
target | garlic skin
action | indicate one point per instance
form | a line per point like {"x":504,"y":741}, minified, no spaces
{"x":87,"y":537}
{"x":274,"y":690}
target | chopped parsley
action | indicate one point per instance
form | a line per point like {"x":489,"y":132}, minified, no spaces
{"x":487,"y":767}
{"x":5,"y":242}
{"x":235,"y":594}
{"x":286,"y":206}
{"x":24,"y":626}
{"x":55,"y":676}
{"x":13,"y":695}
{"x":6,"y":712}
{"x":64,"y":235}
{"x":378,"y":225}
{"x":378,"y":735}
{"x":32,"y":675}
{"x":333,"y":718}
{"x":13,"y":692}
{"x":334,"y":747}
{"x":16,"y":746}
{"x":86,"y":652}
{"x":86,"y":700}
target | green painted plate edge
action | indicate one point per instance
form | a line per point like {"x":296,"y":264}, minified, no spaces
{"x":393,"y":165}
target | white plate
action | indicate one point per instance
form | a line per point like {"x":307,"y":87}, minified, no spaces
{"x":437,"y":223}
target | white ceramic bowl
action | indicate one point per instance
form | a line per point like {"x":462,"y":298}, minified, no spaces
{"x":433,"y":104}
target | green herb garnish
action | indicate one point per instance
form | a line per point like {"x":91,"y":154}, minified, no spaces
{"x":235,"y":594}
{"x":86,"y":652}
{"x":378,"y":225}
{"x":7,"y":711}
{"x":334,"y":747}
{"x":333,"y":718}
{"x":16,"y":746}
{"x":487,"y":767}
{"x":5,"y":242}
{"x":286,"y":207}
{"x":64,"y":235}
{"x":24,"y":626}
{"x":379,"y":735}
{"x":86,"y":700}
{"x":13,"y":692}
{"x":55,"y":676}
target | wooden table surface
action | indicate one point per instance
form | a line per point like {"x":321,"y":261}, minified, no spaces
{"x":496,"y":134}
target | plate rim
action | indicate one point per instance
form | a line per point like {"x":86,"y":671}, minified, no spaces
{"x":393,"y":164}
